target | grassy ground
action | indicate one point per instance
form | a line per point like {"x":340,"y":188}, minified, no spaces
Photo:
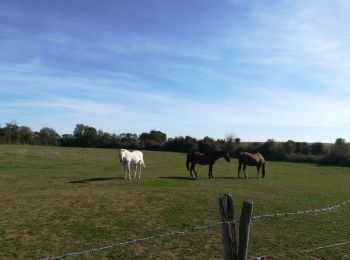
{"x":57,"y":200}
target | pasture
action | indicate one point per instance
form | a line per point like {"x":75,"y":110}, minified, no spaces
{"x":57,"y":200}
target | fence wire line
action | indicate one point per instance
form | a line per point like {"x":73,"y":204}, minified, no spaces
{"x":114,"y":245}
{"x":323,"y":247}
{"x":301,"y":251}
{"x":283,"y":214}
{"x":197,"y":228}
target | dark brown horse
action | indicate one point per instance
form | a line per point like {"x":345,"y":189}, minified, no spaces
{"x":205,"y":159}
{"x":250,"y":159}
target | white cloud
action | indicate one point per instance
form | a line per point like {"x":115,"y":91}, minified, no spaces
{"x":302,"y":36}
{"x":251,"y":68}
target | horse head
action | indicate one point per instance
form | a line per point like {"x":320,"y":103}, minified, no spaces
{"x":121,"y":154}
{"x":226,"y":156}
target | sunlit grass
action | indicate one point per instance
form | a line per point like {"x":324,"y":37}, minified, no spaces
{"x":58,"y":200}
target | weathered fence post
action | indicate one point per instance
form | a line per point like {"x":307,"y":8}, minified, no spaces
{"x":244,"y":226}
{"x":228,"y":229}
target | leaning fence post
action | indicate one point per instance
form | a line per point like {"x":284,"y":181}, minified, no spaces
{"x":228,"y":229}
{"x":244,"y":226}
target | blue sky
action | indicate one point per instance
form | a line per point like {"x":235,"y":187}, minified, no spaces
{"x":253,"y":69}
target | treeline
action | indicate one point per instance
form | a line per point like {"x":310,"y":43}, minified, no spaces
{"x":87,"y":136}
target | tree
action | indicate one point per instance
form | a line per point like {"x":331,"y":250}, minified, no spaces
{"x":107,"y":140}
{"x":181,"y":144}
{"x":128,"y":137}
{"x":153,"y":140}
{"x":265,"y":148}
{"x":230,"y":144}
{"x":339,"y":153}
{"x":237,"y":140}
{"x":11,"y":133}
{"x":2,"y":136}
{"x":48,"y":136}
{"x":25,"y":135}
{"x":128,"y":140}
{"x":85,"y":136}
{"x":302,"y":147}
{"x":289,"y":147}
{"x":317,"y":148}
{"x":207,"y":144}
{"x":155,"y":136}
{"x":90,"y":136}
{"x":78,"y":131}
{"x":67,"y":140}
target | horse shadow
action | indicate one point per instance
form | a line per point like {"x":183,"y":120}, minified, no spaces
{"x":228,"y":178}
{"x":177,"y":178}
{"x":193,"y":179}
{"x":96,"y":179}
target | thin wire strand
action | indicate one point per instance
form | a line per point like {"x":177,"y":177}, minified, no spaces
{"x":284,"y":214}
{"x":138,"y":240}
{"x":302,"y":251}
{"x":197,"y":228}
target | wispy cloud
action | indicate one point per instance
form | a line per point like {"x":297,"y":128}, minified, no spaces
{"x":168,"y":112}
{"x":260,"y":67}
{"x":301,"y":37}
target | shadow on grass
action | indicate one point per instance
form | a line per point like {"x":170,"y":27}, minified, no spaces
{"x":96,"y":179}
{"x":177,"y":178}
{"x":193,"y":179}
{"x":229,"y":178}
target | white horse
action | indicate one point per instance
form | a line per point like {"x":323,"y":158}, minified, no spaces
{"x":127,"y":158}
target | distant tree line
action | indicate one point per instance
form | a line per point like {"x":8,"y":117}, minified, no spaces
{"x":87,"y":136}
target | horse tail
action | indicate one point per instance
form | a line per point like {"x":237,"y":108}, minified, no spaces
{"x":263,"y":169}
{"x":188,"y":162}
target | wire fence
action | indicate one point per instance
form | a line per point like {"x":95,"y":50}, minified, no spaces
{"x":137,"y":240}
{"x":208,"y":226}
{"x":285,"y":214}
{"x":303,"y":251}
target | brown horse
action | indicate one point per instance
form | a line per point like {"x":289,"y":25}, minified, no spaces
{"x":205,"y":159}
{"x":255,"y":159}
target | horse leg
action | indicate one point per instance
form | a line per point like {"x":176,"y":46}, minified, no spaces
{"x":125,"y":171}
{"x":129,"y":172}
{"x":192,"y":167}
{"x":245,"y":175}
{"x":258,"y":170}
{"x":140,"y":170}
{"x":135,"y":170}
{"x":210,"y":171}
{"x":239,"y":169}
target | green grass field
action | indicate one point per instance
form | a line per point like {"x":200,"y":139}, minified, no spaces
{"x":58,"y":200}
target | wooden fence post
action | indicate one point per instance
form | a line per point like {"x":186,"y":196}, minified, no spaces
{"x":244,"y":226}
{"x":228,"y":228}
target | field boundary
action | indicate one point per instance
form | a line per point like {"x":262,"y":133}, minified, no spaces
{"x":204,"y":227}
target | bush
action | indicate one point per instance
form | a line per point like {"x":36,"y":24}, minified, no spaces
{"x":339,"y":154}
{"x":181,"y":144}
{"x":304,"y":158}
